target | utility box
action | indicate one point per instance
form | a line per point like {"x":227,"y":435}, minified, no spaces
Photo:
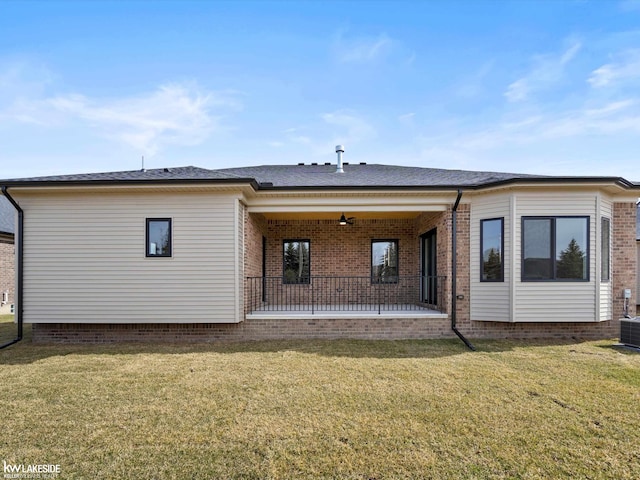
{"x":630,"y":332}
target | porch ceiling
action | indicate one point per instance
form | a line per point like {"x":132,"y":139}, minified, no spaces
{"x":336,"y":215}
{"x":369,"y":205}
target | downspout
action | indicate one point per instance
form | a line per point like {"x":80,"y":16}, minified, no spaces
{"x":19,"y":250}
{"x":454,"y":271}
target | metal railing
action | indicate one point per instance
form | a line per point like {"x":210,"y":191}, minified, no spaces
{"x":322,"y":294}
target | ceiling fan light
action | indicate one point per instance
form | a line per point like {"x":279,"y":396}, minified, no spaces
{"x":343,"y":220}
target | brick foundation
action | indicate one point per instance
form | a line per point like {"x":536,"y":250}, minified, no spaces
{"x":322,"y":328}
{"x":272,"y":329}
{"x":566,"y":330}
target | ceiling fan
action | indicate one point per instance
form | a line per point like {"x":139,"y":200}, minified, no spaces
{"x":346,"y":221}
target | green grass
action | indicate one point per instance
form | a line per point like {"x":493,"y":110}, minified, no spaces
{"x":9,"y":330}
{"x":315,"y":409}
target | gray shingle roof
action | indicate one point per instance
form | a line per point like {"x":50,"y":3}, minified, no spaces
{"x":7,"y":216}
{"x":177,"y":173}
{"x":312,"y":176}
{"x":369,"y":175}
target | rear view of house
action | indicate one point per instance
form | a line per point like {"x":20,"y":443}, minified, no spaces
{"x":324,"y":251}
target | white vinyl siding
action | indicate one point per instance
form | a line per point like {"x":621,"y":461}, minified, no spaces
{"x":84,"y":258}
{"x":546,"y":301}
{"x":554,"y":301}
{"x":490,"y":301}
{"x":606,"y":288}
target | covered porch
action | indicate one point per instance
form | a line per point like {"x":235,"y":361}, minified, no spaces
{"x":391,"y":259}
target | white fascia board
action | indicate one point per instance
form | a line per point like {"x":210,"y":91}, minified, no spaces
{"x":350,"y":208}
{"x":240,"y":189}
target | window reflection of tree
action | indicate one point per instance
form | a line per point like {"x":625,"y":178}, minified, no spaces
{"x":570,"y":263}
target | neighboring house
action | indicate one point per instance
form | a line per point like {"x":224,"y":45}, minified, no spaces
{"x":638,"y":254}
{"x":302,"y":251}
{"x":7,"y":255}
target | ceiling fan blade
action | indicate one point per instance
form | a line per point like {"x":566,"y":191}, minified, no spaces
{"x":346,"y":221}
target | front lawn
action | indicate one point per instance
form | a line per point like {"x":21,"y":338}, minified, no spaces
{"x":324,"y":409}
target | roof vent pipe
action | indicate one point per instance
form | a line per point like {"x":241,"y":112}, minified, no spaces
{"x":339,"y":151}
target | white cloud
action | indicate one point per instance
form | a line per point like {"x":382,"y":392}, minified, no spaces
{"x":448,"y":157}
{"x":297,"y":135}
{"x":411,"y":59}
{"x":173,"y":114}
{"x":21,"y":83}
{"x":530,"y":135}
{"x":547,"y":71}
{"x":407,"y":119}
{"x":630,"y":5}
{"x":341,"y":127}
{"x":361,"y":49}
{"x":474,"y":84}
{"x":609,"y":119}
{"x":351,"y":127}
{"x":609,"y":108}
{"x":518,"y":90}
{"x":302,"y":139}
{"x":22,"y":78}
{"x":626,"y":68}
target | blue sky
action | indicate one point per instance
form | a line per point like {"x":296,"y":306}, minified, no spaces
{"x":545,"y":87}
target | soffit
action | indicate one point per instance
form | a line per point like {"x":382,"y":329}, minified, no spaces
{"x":405,"y":204}
{"x":620,"y":193}
{"x":336,"y":215}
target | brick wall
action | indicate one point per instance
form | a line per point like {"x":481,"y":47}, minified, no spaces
{"x":624,"y":257}
{"x":255,"y":227}
{"x":7,"y":270}
{"x":463,"y":264}
{"x":272,"y":329}
{"x":338,"y":250}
